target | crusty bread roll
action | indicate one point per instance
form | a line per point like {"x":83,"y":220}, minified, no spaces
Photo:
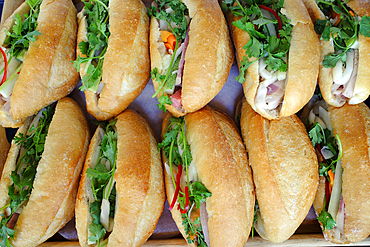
{"x":8,"y":8}
{"x":351,"y":124}
{"x":361,"y":89}
{"x":139,"y":183}
{"x":51,"y":203}
{"x":208,"y":58}
{"x":4,"y":147}
{"x":47,"y":73}
{"x":303,"y":59}
{"x":126,"y":64}
{"x":222,"y":167}
{"x":285,"y":172}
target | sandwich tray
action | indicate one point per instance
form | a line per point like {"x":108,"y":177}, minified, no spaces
{"x":166,"y":233}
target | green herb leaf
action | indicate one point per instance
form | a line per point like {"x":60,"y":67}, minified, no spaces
{"x":365,"y":26}
{"x":327,"y":220}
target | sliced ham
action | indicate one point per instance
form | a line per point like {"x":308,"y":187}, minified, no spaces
{"x":176,"y":99}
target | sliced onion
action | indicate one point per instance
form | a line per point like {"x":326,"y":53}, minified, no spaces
{"x":347,"y":71}
{"x":264,"y":73}
{"x":340,"y":216}
{"x":182,"y":60}
{"x":104,"y":214}
{"x":350,"y":85}
{"x":324,"y":115}
{"x":336,"y":191}
{"x":204,"y":222}
{"x":308,"y":108}
{"x":100,"y":87}
{"x":338,"y":71}
{"x":326,"y":153}
{"x":311,"y":117}
{"x":319,"y":120}
{"x":259,"y":225}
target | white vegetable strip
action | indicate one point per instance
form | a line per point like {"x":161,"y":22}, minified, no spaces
{"x":336,"y":191}
{"x":204,"y":222}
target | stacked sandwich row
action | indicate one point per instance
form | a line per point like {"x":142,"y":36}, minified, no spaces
{"x":205,"y":164}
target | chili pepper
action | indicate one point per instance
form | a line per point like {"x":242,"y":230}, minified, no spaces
{"x":327,"y":193}
{"x":6,"y":66}
{"x":179,"y":172}
{"x":186,"y":208}
{"x":276,"y":16}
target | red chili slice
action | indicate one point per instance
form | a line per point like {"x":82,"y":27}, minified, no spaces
{"x":186,"y":201}
{"x":179,"y":172}
{"x":276,"y":16}
{"x":6,"y":66}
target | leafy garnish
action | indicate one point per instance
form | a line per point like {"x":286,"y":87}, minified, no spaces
{"x":24,"y":174}
{"x":174,"y":139}
{"x":255,"y":217}
{"x":262,"y":42}
{"x":316,"y":134}
{"x":100,"y":177}
{"x":177,"y":23}
{"x":326,"y":219}
{"x":23,"y":32}
{"x":97,"y":20}
{"x":344,"y":32}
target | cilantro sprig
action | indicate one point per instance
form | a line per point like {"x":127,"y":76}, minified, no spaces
{"x":97,"y":19}
{"x":101,"y":177}
{"x":178,"y":25}
{"x":198,"y":193}
{"x":24,"y":174}
{"x":23,"y":32}
{"x":262,"y":43}
{"x":344,"y":34}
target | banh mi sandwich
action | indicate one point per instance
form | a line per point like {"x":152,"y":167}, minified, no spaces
{"x":284,"y":167}
{"x":191,"y":53}
{"x":37,"y":45}
{"x":208,"y":180}
{"x":39,"y":183}
{"x":340,"y":136}
{"x":277,"y":53}
{"x":121,"y":193}
{"x":344,"y":31}
{"x":113,"y":54}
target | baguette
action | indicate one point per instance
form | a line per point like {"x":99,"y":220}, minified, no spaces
{"x":207,"y":60}
{"x":220,"y":164}
{"x":284,"y":168}
{"x":334,"y":88}
{"x":294,"y":90}
{"x":342,"y":205}
{"x":50,"y":204}
{"x":139,"y":184}
{"x":46,"y":73}
{"x":125,"y":69}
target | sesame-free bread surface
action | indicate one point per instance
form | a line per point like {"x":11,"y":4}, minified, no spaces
{"x":222,"y":166}
{"x":51,"y":203}
{"x":303,"y":47}
{"x":285,"y":174}
{"x":126,"y":64}
{"x":208,"y":58}
{"x":139,"y":183}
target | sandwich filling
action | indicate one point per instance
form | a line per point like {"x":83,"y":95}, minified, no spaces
{"x":342,"y":27}
{"x":102,"y":193}
{"x":329,"y":152}
{"x":31,"y":148}
{"x":173,"y":21}
{"x":15,"y":46}
{"x":95,"y":17}
{"x":190,"y":194}
{"x":270,"y":35}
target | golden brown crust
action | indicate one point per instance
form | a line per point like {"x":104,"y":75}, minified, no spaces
{"x":47,"y":72}
{"x":284,"y":168}
{"x":362,"y":86}
{"x":126,"y":63}
{"x":68,"y":136}
{"x":4,"y":148}
{"x":352,"y":124}
{"x":209,"y":48}
{"x":139,"y":183}
{"x":222,"y":166}
{"x":304,"y":41}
